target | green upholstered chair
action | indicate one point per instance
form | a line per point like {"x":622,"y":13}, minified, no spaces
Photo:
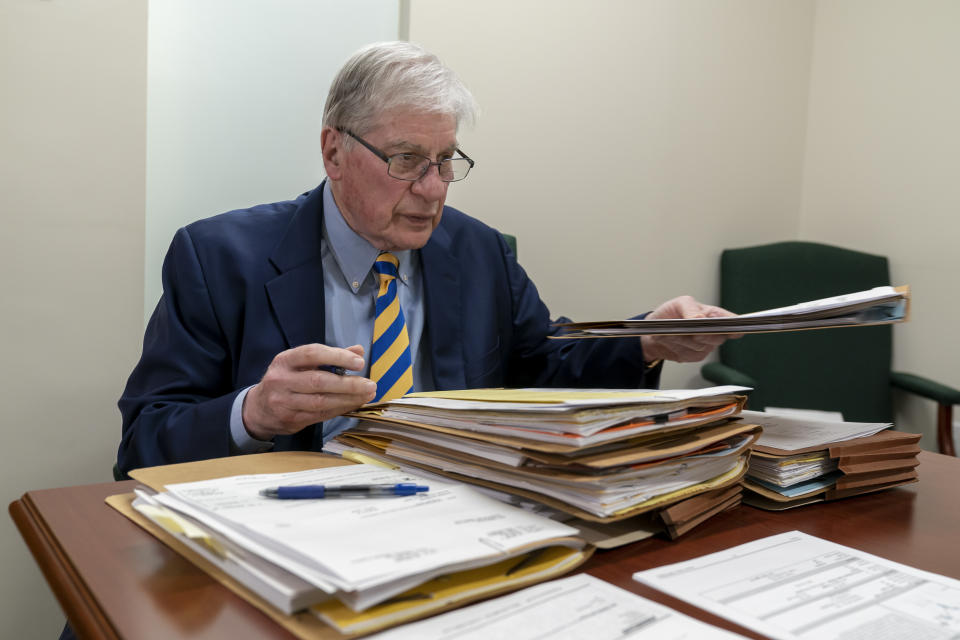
{"x":511,"y":242}
{"x":846,"y":369}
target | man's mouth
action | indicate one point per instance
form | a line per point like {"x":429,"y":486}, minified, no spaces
{"x":418,"y":218}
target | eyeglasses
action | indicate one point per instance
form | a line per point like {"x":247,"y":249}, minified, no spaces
{"x":413,"y":166}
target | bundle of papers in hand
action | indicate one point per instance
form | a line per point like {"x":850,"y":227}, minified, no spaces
{"x":880,"y":305}
{"x":797,"y":461}
{"x":362,"y":564}
{"x":599,"y":455}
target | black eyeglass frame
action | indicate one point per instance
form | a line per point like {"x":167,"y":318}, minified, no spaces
{"x":380,"y":154}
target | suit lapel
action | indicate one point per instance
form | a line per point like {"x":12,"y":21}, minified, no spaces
{"x":296,"y":294}
{"x":444,"y":326}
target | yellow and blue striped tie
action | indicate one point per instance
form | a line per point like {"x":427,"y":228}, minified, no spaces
{"x":391,"y":367}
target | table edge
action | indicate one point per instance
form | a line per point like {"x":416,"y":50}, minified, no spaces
{"x":81,"y":608}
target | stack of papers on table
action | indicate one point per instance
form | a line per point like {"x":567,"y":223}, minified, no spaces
{"x":362,"y":564}
{"x":797,"y":461}
{"x":601,"y":455}
{"x":880,"y":305}
{"x":794,"y":586}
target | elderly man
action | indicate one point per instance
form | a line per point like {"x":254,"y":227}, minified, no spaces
{"x":263,"y":308}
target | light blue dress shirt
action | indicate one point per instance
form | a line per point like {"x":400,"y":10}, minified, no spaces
{"x":350,"y":289}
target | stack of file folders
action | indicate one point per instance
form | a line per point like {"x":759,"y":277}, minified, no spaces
{"x":880,"y":305}
{"x":781,"y":476}
{"x":602,"y":457}
{"x":351,"y":565}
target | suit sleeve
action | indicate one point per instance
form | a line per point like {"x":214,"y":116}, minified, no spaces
{"x":176,"y":405}
{"x":538,"y":360}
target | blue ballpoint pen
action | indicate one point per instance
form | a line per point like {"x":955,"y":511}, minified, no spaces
{"x":333,"y":369}
{"x":344,"y":491}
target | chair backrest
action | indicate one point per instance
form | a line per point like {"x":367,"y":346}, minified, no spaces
{"x":845,"y":369}
{"x":511,"y":242}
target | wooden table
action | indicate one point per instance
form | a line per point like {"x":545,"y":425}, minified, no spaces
{"x":114,"y":579}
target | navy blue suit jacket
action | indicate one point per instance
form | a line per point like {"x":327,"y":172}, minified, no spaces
{"x":243,"y":286}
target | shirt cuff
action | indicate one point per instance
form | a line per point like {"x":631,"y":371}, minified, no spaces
{"x":240,"y":440}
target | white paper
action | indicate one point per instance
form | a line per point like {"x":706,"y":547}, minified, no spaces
{"x":280,"y":588}
{"x":564,"y":425}
{"x":833,"y":302}
{"x":603,"y":494}
{"x":569,"y":399}
{"x":791,"y":470}
{"x":362,"y":544}
{"x":795,"y":586}
{"x":809,"y":414}
{"x":487,"y":450}
{"x":881,"y":305}
{"x":790,"y":434}
{"x":569,"y":609}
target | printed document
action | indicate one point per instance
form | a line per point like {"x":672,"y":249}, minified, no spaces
{"x":342,"y":546}
{"x":790,"y":433}
{"x":569,"y":609}
{"x":794,"y":586}
{"x":880,"y":305}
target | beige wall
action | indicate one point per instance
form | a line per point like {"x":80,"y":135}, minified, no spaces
{"x":79,"y":223}
{"x":627,"y":143}
{"x":72,"y":134}
{"x":882,"y":169}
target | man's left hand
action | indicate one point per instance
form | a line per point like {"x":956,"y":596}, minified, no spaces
{"x":689,"y":348}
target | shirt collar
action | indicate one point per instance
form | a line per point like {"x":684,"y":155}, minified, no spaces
{"x":354,"y":255}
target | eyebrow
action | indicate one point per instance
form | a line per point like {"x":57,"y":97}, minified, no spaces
{"x":402,"y":146}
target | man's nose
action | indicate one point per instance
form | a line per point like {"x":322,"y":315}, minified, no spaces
{"x":430,"y":186}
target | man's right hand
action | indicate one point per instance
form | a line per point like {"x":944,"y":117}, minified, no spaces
{"x":294,"y":393}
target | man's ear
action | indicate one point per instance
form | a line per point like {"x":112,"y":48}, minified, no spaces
{"x":331,"y":146}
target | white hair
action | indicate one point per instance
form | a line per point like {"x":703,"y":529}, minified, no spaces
{"x":385,"y":76}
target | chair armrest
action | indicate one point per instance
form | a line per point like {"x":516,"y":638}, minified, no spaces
{"x":722,"y":374}
{"x":925,"y":387}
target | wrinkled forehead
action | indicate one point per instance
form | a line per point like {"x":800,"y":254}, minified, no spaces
{"x":433,"y":131}
{"x":408,"y":116}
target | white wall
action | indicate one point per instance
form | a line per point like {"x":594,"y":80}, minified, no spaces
{"x":627,"y":143}
{"x":235,"y":100}
{"x":72,"y":151}
{"x":883,"y":162}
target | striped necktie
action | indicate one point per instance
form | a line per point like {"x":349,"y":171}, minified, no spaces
{"x":391,"y":367}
